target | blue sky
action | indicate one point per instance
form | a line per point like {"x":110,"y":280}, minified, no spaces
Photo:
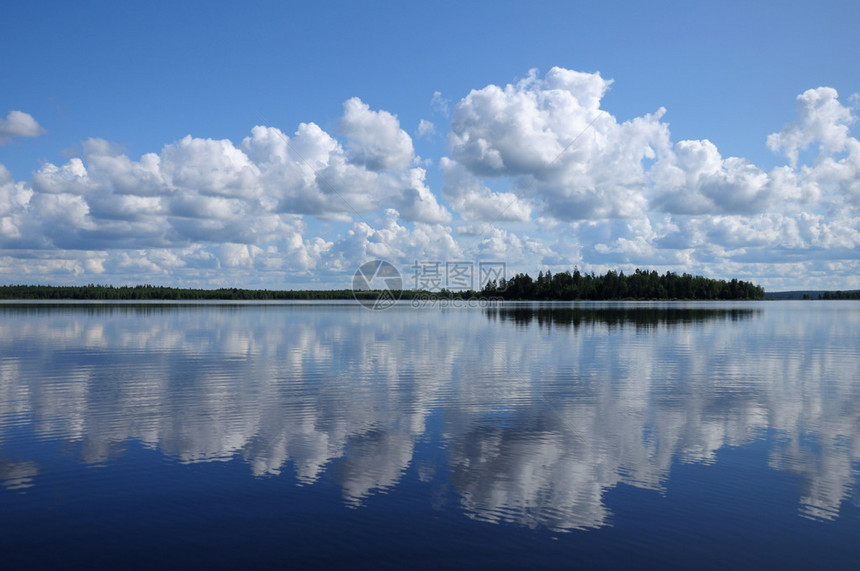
{"x":281,"y":144}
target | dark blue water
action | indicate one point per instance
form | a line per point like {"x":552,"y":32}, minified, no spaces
{"x":556,"y":435}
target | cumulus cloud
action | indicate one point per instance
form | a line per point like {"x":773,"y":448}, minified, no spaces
{"x":625,"y":193}
{"x":821,"y":118}
{"x":416,"y":201}
{"x":18,"y":124}
{"x":374,"y":138}
{"x":209,"y":168}
{"x":476,"y":202}
{"x":520,"y":129}
{"x":537,"y":172}
{"x":213,"y":191}
{"x":520,"y":252}
{"x":556,"y":144}
{"x":212,"y":209}
{"x":841,"y":176}
{"x":391,"y":240}
{"x":13,"y":195}
{"x":695,"y":179}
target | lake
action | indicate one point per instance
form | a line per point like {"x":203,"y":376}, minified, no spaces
{"x":554,"y":435}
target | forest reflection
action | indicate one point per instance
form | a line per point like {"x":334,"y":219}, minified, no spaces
{"x":639,"y":316}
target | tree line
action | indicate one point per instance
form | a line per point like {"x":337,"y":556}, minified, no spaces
{"x":853,"y":294}
{"x":567,"y":285}
{"x":641,"y":284}
{"x":151,"y":292}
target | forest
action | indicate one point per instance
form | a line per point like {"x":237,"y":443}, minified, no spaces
{"x":853,"y":294}
{"x":151,"y":292}
{"x":567,"y":285}
{"x":613,"y":285}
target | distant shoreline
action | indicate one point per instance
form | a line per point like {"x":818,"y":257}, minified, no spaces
{"x":563,"y":286}
{"x":813,"y":294}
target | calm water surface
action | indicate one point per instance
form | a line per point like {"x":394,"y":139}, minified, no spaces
{"x":322,"y":435}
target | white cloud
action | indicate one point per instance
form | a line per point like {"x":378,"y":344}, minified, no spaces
{"x":71,"y":177}
{"x":13,"y":195}
{"x":426,"y":128}
{"x":695,"y":179}
{"x":209,"y":168}
{"x":374,"y":138}
{"x":634,"y":196}
{"x":835,"y":179}
{"x":475,"y":202}
{"x":557,"y":146}
{"x":389,"y":240}
{"x":18,"y":124}
{"x":312,"y":174}
{"x":538,"y":175}
{"x":633,"y":243}
{"x":520,"y":253}
{"x":519,"y":129}
{"x":416,"y":202}
{"x":212,"y":191}
{"x":821,"y":118}
{"x":440,"y":104}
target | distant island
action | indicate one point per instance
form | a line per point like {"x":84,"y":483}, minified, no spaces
{"x":639,"y":285}
{"x":813,"y":294}
{"x":853,"y":294}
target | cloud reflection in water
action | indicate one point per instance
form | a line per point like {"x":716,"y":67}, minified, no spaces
{"x":543,"y":408}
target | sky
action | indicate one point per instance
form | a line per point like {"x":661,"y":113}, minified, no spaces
{"x":281,"y":145}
